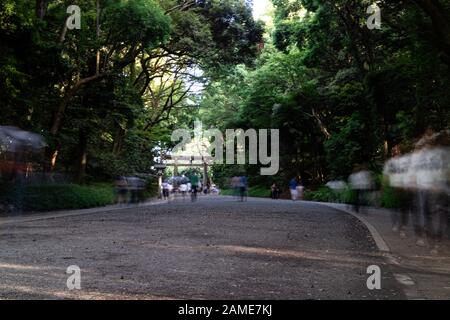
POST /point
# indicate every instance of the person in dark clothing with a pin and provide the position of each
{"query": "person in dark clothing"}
(243, 185)
(274, 191)
(194, 187)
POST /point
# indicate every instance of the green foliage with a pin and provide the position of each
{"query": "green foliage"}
(58, 197)
(349, 147)
(340, 94)
(227, 192)
(138, 21)
(325, 194)
(255, 191)
(393, 198)
(151, 189)
(110, 122)
(259, 192)
(322, 195)
(390, 198)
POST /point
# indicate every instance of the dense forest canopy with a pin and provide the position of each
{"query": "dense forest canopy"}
(105, 95)
(342, 94)
(108, 95)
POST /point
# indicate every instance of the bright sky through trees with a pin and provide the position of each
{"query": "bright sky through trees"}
(260, 8)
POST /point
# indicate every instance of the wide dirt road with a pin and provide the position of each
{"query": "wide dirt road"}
(214, 249)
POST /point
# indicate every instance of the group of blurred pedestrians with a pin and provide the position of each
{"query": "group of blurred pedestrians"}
(362, 182)
(421, 184)
(187, 185)
(296, 188)
(128, 189)
(239, 184)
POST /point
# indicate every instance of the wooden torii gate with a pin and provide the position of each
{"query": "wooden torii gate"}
(189, 161)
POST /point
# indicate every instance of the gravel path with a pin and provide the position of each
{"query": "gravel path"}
(214, 249)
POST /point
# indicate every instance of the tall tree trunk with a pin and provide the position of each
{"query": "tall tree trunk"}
(82, 157)
(56, 125)
(41, 8)
(441, 24)
(51, 157)
(97, 65)
(119, 140)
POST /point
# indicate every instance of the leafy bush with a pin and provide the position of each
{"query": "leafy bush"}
(392, 198)
(226, 192)
(257, 191)
(151, 190)
(347, 196)
(325, 194)
(58, 197)
(388, 197)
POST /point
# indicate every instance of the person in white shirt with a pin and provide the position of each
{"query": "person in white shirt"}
(166, 190)
(183, 190)
(431, 168)
(394, 173)
(362, 182)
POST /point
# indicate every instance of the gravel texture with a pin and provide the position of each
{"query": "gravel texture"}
(217, 248)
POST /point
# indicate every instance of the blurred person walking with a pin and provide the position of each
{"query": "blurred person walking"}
(166, 190)
(235, 181)
(300, 189)
(243, 186)
(362, 182)
(121, 190)
(394, 174)
(431, 165)
(183, 190)
(293, 184)
(194, 180)
(134, 184)
(207, 188)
